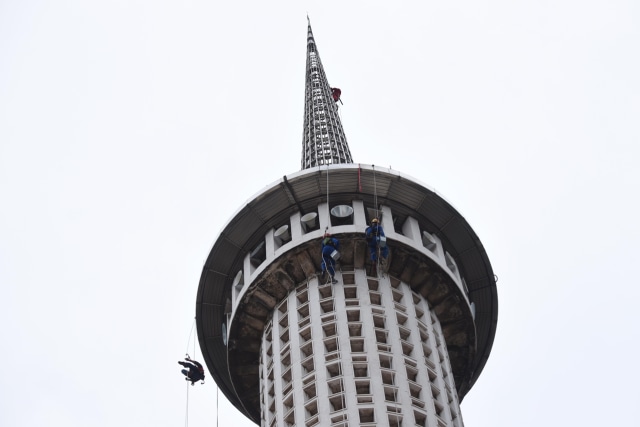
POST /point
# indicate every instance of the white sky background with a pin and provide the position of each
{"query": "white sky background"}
(131, 131)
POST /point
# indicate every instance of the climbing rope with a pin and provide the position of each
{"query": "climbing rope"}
(326, 266)
(375, 191)
(377, 212)
(189, 339)
(186, 415)
(328, 205)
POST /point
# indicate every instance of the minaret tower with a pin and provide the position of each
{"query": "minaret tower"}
(400, 347)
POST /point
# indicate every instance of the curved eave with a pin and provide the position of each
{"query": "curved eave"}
(303, 191)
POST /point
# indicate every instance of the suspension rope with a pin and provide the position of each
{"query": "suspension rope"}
(328, 205)
(325, 261)
(189, 339)
(186, 414)
(375, 191)
(326, 266)
(379, 217)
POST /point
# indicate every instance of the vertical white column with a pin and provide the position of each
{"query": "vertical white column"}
(295, 227)
(270, 246)
(411, 230)
(323, 216)
(322, 388)
(359, 218)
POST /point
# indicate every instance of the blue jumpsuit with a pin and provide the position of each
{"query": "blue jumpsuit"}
(373, 234)
(329, 244)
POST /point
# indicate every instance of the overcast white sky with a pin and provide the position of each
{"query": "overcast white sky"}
(130, 132)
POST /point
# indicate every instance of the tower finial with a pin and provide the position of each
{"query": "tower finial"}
(323, 139)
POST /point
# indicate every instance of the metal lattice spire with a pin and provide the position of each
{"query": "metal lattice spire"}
(323, 140)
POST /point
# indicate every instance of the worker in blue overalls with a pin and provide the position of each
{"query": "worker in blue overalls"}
(374, 235)
(329, 246)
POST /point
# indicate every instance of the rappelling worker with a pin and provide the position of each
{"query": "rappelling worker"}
(330, 246)
(194, 371)
(376, 241)
(335, 93)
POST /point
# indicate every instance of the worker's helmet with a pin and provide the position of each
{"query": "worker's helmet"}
(374, 221)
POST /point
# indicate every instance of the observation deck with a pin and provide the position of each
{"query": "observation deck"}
(270, 247)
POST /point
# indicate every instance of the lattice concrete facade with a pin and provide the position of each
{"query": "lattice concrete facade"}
(367, 352)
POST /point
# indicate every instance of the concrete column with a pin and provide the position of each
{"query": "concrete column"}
(323, 216)
(270, 247)
(386, 221)
(295, 227)
(321, 377)
(411, 230)
(359, 217)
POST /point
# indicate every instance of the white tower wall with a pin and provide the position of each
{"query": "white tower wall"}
(366, 352)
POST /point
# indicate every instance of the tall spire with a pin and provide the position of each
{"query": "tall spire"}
(323, 140)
